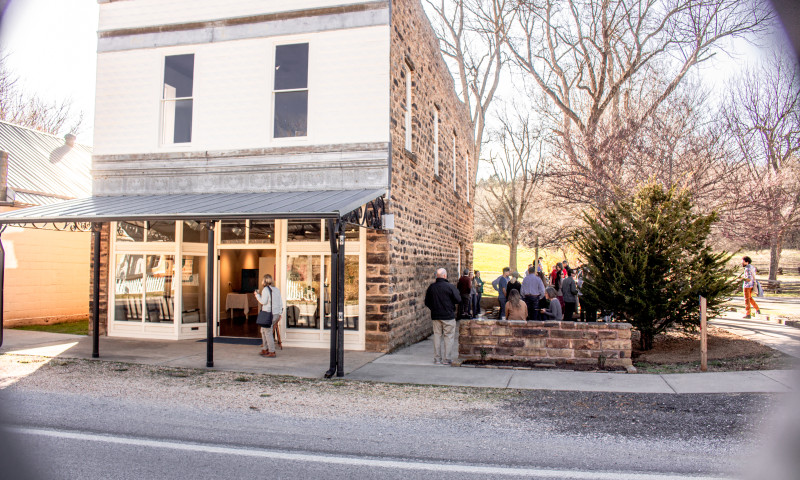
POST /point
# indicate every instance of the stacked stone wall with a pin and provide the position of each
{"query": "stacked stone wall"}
(551, 341)
(433, 221)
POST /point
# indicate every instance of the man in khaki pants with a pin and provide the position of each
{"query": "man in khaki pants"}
(441, 298)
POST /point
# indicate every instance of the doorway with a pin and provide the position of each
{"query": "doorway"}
(240, 274)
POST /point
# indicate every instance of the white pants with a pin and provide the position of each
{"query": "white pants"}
(443, 331)
(267, 340)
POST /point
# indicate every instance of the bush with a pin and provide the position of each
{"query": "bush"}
(648, 260)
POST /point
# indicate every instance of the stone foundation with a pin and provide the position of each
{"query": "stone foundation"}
(546, 341)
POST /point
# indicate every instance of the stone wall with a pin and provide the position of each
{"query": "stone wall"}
(105, 249)
(561, 342)
(433, 221)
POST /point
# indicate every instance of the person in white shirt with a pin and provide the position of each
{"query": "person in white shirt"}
(270, 299)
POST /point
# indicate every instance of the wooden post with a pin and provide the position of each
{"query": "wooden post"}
(703, 336)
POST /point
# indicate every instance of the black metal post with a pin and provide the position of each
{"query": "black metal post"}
(334, 297)
(340, 300)
(210, 298)
(2, 279)
(96, 229)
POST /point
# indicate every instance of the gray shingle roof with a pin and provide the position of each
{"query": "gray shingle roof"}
(42, 169)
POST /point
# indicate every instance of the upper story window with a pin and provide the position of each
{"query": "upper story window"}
(291, 90)
(408, 107)
(176, 100)
(454, 162)
(436, 141)
(466, 168)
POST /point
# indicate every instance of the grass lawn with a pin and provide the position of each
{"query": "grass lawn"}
(77, 327)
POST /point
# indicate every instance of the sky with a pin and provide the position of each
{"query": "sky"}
(52, 47)
(52, 44)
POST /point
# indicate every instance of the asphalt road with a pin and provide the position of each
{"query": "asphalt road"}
(534, 434)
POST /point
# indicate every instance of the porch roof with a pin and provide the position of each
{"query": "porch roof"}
(205, 206)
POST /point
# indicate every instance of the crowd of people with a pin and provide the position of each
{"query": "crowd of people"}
(533, 297)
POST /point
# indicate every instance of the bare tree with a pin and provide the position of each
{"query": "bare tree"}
(606, 66)
(30, 110)
(518, 172)
(763, 117)
(471, 35)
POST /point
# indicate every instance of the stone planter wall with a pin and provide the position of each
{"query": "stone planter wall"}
(546, 341)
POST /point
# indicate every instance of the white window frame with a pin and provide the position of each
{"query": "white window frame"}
(162, 140)
(436, 141)
(408, 104)
(274, 91)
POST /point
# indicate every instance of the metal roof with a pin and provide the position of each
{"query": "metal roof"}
(43, 165)
(209, 206)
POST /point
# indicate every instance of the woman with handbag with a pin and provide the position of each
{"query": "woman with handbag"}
(269, 316)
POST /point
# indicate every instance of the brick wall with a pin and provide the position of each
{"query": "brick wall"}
(105, 245)
(433, 223)
(562, 342)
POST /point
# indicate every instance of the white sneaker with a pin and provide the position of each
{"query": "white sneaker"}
(437, 362)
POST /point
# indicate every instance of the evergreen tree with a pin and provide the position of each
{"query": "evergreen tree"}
(649, 261)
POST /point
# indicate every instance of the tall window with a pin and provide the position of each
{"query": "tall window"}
(466, 168)
(291, 90)
(176, 100)
(436, 141)
(408, 107)
(454, 162)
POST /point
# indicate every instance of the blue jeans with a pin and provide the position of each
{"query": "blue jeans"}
(476, 304)
(502, 306)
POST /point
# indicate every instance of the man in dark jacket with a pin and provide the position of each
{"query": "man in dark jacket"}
(464, 288)
(441, 298)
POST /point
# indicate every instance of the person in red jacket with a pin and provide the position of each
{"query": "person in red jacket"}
(464, 286)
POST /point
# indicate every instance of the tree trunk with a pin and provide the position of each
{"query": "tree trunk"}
(775, 248)
(645, 340)
(512, 254)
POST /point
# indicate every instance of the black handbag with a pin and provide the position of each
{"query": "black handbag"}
(265, 318)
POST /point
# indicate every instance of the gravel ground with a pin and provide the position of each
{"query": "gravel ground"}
(678, 417)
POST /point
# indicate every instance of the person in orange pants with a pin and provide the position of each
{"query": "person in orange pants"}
(748, 285)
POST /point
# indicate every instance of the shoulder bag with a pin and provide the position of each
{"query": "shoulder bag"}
(265, 318)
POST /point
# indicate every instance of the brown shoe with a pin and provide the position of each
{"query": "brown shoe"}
(270, 354)
(263, 352)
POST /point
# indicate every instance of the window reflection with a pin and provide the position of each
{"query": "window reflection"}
(303, 291)
(233, 232)
(304, 230)
(193, 283)
(160, 289)
(128, 288)
(194, 232)
(262, 231)
(351, 307)
(161, 232)
(130, 231)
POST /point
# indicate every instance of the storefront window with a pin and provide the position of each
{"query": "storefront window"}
(304, 230)
(193, 283)
(160, 289)
(128, 288)
(161, 232)
(262, 231)
(303, 291)
(130, 231)
(351, 310)
(194, 232)
(233, 232)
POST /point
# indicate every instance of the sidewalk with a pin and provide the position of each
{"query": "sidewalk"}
(411, 365)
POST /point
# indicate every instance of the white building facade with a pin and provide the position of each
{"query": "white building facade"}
(201, 96)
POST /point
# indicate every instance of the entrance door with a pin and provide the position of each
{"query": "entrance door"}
(240, 274)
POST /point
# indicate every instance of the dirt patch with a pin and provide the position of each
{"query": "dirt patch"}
(678, 351)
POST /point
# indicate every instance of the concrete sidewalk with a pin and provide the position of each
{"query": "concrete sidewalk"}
(411, 365)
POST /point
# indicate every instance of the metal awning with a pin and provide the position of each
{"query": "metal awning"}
(204, 206)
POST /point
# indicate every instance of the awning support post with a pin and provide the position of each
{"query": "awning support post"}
(334, 299)
(2, 275)
(340, 300)
(210, 297)
(96, 230)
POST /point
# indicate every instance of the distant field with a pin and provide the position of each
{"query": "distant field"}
(490, 260)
